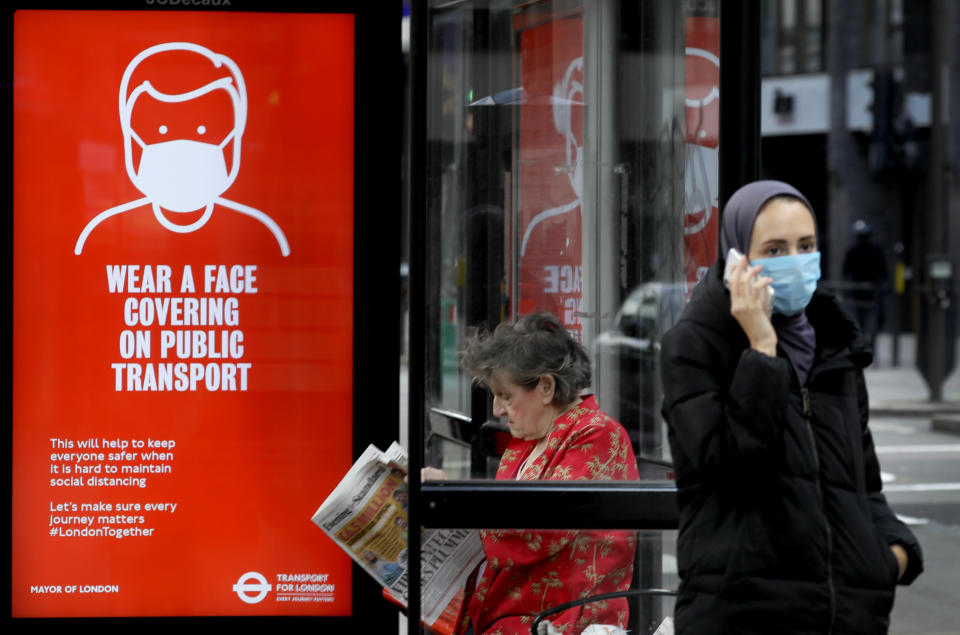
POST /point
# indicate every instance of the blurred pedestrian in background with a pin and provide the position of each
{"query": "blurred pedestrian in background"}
(865, 269)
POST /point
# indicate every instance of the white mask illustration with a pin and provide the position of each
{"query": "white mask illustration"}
(182, 175)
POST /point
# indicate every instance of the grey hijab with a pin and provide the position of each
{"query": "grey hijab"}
(795, 333)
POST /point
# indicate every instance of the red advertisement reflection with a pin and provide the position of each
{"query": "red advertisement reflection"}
(551, 170)
(701, 212)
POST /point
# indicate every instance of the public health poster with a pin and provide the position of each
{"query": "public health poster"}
(183, 249)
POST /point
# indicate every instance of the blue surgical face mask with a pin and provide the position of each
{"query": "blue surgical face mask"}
(794, 280)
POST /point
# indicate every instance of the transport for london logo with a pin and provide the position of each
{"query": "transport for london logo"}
(252, 587)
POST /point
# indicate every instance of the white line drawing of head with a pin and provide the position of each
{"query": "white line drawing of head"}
(562, 101)
(701, 173)
(564, 94)
(183, 175)
(714, 91)
(701, 186)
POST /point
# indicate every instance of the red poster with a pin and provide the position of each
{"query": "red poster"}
(551, 170)
(701, 214)
(183, 252)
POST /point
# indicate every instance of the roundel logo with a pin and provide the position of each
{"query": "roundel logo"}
(252, 587)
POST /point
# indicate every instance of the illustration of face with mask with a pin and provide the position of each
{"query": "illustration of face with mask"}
(182, 175)
(182, 137)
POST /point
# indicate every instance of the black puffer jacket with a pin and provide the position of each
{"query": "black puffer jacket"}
(783, 528)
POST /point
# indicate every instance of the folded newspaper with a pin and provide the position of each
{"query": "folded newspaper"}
(366, 515)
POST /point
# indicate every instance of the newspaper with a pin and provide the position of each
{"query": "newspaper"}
(366, 515)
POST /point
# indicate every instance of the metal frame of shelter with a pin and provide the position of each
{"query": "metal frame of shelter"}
(469, 504)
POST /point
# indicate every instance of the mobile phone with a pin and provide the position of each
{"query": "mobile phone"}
(733, 257)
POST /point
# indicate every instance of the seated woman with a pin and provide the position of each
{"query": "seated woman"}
(536, 372)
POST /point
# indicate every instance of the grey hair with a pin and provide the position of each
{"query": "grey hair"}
(534, 346)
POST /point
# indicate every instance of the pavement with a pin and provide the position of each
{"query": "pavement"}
(901, 391)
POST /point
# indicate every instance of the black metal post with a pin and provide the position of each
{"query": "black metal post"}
(417, 149)
(739, 151)
(935, 359)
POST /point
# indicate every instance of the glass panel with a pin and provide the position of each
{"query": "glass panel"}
(572, 168)
(552, 575)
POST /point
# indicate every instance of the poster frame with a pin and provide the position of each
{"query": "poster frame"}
(378, 123)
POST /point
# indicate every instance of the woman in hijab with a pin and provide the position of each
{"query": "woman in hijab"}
(783, 526)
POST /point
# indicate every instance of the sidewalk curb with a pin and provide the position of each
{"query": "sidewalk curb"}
(946, 423)
(944, 415)
(914, 408)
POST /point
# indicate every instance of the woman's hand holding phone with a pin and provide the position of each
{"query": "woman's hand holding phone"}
(750, 302)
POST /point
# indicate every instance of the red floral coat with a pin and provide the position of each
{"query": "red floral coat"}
(529, 571)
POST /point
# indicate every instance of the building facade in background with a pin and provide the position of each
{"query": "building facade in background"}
(858, 110)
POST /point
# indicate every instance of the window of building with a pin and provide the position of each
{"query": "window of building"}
(792, 37)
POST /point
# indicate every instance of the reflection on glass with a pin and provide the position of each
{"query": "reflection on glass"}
(572, 168)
